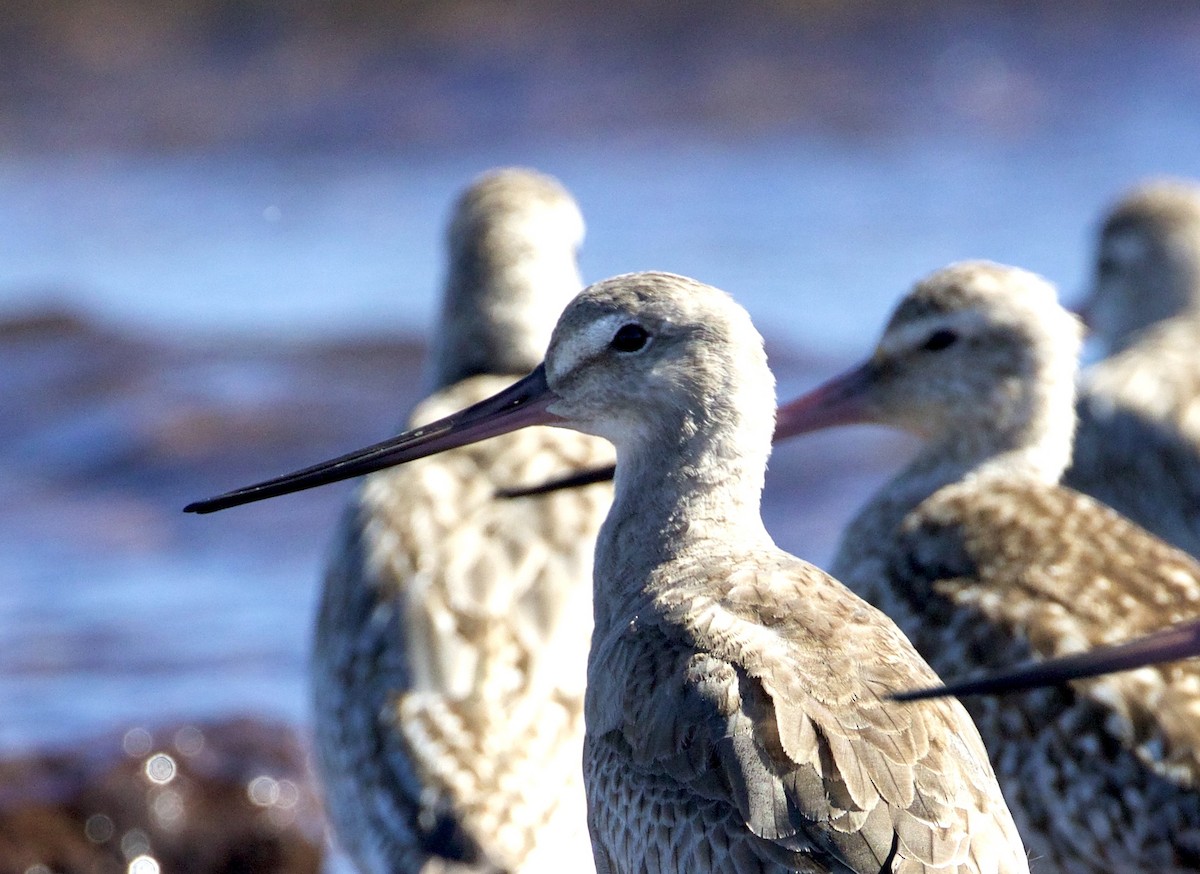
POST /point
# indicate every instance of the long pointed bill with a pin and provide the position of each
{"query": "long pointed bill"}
(1180, 642)
(570, 481)
(518, 406)
(838, 402)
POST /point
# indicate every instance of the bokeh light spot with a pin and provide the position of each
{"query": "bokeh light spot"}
(289, 795)
(189, 740)
(263, 791)
(167, 807)
(135, 843)
(143, 865)
(137, 742)
(160, 768)
(98, 828)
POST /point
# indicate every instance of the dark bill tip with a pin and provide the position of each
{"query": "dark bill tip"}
(1179, 642)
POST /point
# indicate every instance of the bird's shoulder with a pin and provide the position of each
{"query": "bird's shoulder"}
(769, 690)
(1024, 545)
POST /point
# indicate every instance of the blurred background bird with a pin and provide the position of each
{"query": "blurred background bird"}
(981, 558)
(453, 628)
(1137, 448)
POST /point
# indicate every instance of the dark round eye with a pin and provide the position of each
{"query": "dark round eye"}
(939, 340)
(1107, 266)
(629, 338)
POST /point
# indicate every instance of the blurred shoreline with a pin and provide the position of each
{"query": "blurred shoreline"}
(213, 75)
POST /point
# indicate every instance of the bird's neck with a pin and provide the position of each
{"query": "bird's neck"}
(498, 314)
(1033, 445)
(697, 499)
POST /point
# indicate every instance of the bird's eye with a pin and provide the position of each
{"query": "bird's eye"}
(1108, 265)
(939, 340)
(629, 338)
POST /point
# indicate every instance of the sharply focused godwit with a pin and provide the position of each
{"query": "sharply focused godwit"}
(983, 559)
(452, 633)
(735, 708)
(1138, 443)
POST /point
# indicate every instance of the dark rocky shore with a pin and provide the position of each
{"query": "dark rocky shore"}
(196, 798)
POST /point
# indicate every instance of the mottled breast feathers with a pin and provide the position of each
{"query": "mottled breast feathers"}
(1099, 579)
(484, 607)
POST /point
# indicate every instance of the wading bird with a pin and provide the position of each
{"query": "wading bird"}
(452, 633)
(1137, 447)
(736, 700)
(983, 559)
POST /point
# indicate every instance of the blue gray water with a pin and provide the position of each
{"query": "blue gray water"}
(816, 237)
(817, 231)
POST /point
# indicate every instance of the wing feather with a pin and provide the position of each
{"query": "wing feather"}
(1103, 581)
(789, 705)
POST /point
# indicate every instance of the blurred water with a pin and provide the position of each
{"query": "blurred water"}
(817, 238)
(816, 231)
(86, 645)
(797, 228)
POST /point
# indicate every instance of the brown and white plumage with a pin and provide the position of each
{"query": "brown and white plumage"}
(452, 634)
(982, 559)
(1138, 442)
(749, 732)
(735, 714)
(736, 702)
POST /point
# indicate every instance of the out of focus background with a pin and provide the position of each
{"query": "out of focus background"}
(221, 247)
